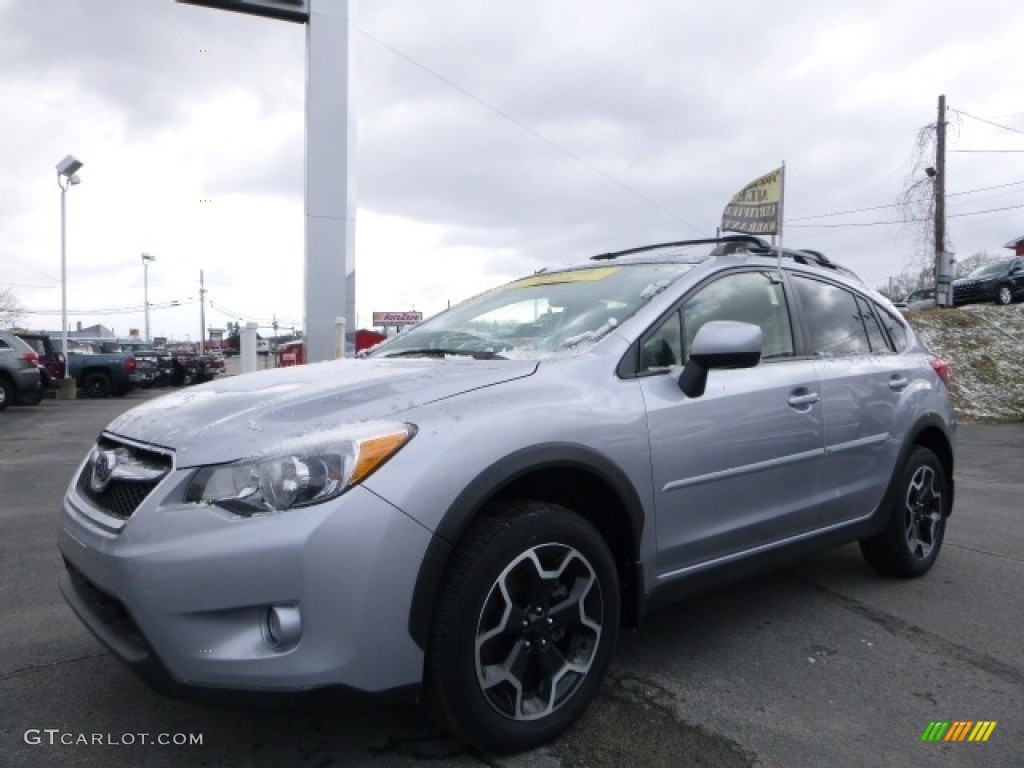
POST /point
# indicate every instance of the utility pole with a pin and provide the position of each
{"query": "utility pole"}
(943, 280)
(202, 314)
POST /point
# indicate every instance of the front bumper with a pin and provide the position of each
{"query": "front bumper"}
(181, 592)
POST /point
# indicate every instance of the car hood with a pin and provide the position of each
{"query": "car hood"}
(244, 415)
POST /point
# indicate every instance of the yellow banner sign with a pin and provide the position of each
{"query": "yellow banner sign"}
(755, 209)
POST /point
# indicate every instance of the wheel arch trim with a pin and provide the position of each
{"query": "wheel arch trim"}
(489, 484)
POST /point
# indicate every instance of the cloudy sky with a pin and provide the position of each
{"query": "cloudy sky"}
(493, 138)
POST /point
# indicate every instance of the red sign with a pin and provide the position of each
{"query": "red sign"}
(397, 318)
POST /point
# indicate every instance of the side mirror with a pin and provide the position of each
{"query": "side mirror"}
(719, 344)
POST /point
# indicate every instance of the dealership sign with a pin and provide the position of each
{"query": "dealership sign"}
(397, 318)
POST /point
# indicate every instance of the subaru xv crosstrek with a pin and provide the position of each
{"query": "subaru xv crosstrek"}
(476, 508)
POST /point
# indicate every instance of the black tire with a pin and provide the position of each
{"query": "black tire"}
(530, 601)
(910, 542)
(96, 384)
(35, 397)
(6, 393)
(1004, 295)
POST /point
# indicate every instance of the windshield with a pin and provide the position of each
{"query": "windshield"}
(987, 270)
(546, 313)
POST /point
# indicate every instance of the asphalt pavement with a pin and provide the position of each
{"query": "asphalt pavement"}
(824, 663)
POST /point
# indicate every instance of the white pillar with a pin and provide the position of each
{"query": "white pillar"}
(248, 344)
(330, 176)
(339, 337)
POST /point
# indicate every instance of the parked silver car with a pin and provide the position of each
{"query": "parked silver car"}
(480, 504)
(20, 377)
(923, 298)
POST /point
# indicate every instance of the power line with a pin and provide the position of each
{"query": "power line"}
(897, 205)
(903, 221)
(991, 151)
(536, 134)
(987, 122)
(104, 311)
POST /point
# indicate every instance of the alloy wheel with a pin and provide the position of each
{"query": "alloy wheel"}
(923, 514)
(538, 632)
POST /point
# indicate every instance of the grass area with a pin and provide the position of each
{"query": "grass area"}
(984, 345)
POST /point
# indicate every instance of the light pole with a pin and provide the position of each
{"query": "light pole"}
(146, 258)
(67, 176)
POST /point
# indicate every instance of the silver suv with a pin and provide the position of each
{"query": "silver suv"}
(20, 380)
(478, 506)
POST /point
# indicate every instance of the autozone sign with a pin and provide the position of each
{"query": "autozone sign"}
(397, 318)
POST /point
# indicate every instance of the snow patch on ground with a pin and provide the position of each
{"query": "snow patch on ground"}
(984, 345)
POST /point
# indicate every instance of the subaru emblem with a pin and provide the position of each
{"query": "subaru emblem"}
(102, 464)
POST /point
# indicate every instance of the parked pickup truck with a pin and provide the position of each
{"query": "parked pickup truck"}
(101, 374)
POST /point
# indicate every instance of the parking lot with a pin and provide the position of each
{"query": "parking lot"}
(824, 663)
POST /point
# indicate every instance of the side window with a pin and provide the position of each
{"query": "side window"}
(664, 347)
(875, 336)
(746, 297)
(834, 319)
(895, 329)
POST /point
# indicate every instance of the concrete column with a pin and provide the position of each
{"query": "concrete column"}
(330, 176)
(248, 343)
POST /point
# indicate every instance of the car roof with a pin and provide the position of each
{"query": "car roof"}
(695, 252)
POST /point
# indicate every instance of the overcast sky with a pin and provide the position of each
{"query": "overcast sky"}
(493, 138)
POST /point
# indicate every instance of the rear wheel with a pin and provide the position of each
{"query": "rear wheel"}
(525, 627)
(35, 397)
(96, 385)
(910, 543)
(1004, 296)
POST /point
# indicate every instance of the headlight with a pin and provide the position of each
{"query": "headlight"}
(301, 473)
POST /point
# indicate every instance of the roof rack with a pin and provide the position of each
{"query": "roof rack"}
(733, 244)
(757, 242)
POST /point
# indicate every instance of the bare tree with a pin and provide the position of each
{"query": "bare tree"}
(10, 309)
(918, 199)
(963, 266)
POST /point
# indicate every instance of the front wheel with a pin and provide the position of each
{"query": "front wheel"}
(1004, 295)
(525, 627)
(910, 542)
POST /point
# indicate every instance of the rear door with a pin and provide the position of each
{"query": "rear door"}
(863, 383)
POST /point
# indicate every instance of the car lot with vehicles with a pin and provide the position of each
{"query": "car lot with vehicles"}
(600, 460)
(1001, 282)
(825, 662)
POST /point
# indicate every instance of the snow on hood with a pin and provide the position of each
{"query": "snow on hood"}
(240, 416)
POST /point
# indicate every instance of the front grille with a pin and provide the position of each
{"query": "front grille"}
(972, 291)
(137, 472)
(120, 498)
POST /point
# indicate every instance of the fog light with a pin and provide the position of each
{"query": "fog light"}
(283, 626)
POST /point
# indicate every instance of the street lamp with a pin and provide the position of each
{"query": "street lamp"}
(146, 258)
(67, 176)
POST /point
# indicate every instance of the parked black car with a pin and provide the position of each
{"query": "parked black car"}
(184, 366)
(998, 281)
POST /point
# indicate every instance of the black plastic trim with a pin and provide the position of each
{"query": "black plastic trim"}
(489, 484)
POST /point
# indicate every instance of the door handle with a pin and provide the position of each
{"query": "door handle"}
(803, 397)
(898, 383)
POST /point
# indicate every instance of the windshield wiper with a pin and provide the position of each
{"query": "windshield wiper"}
(477, 354)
